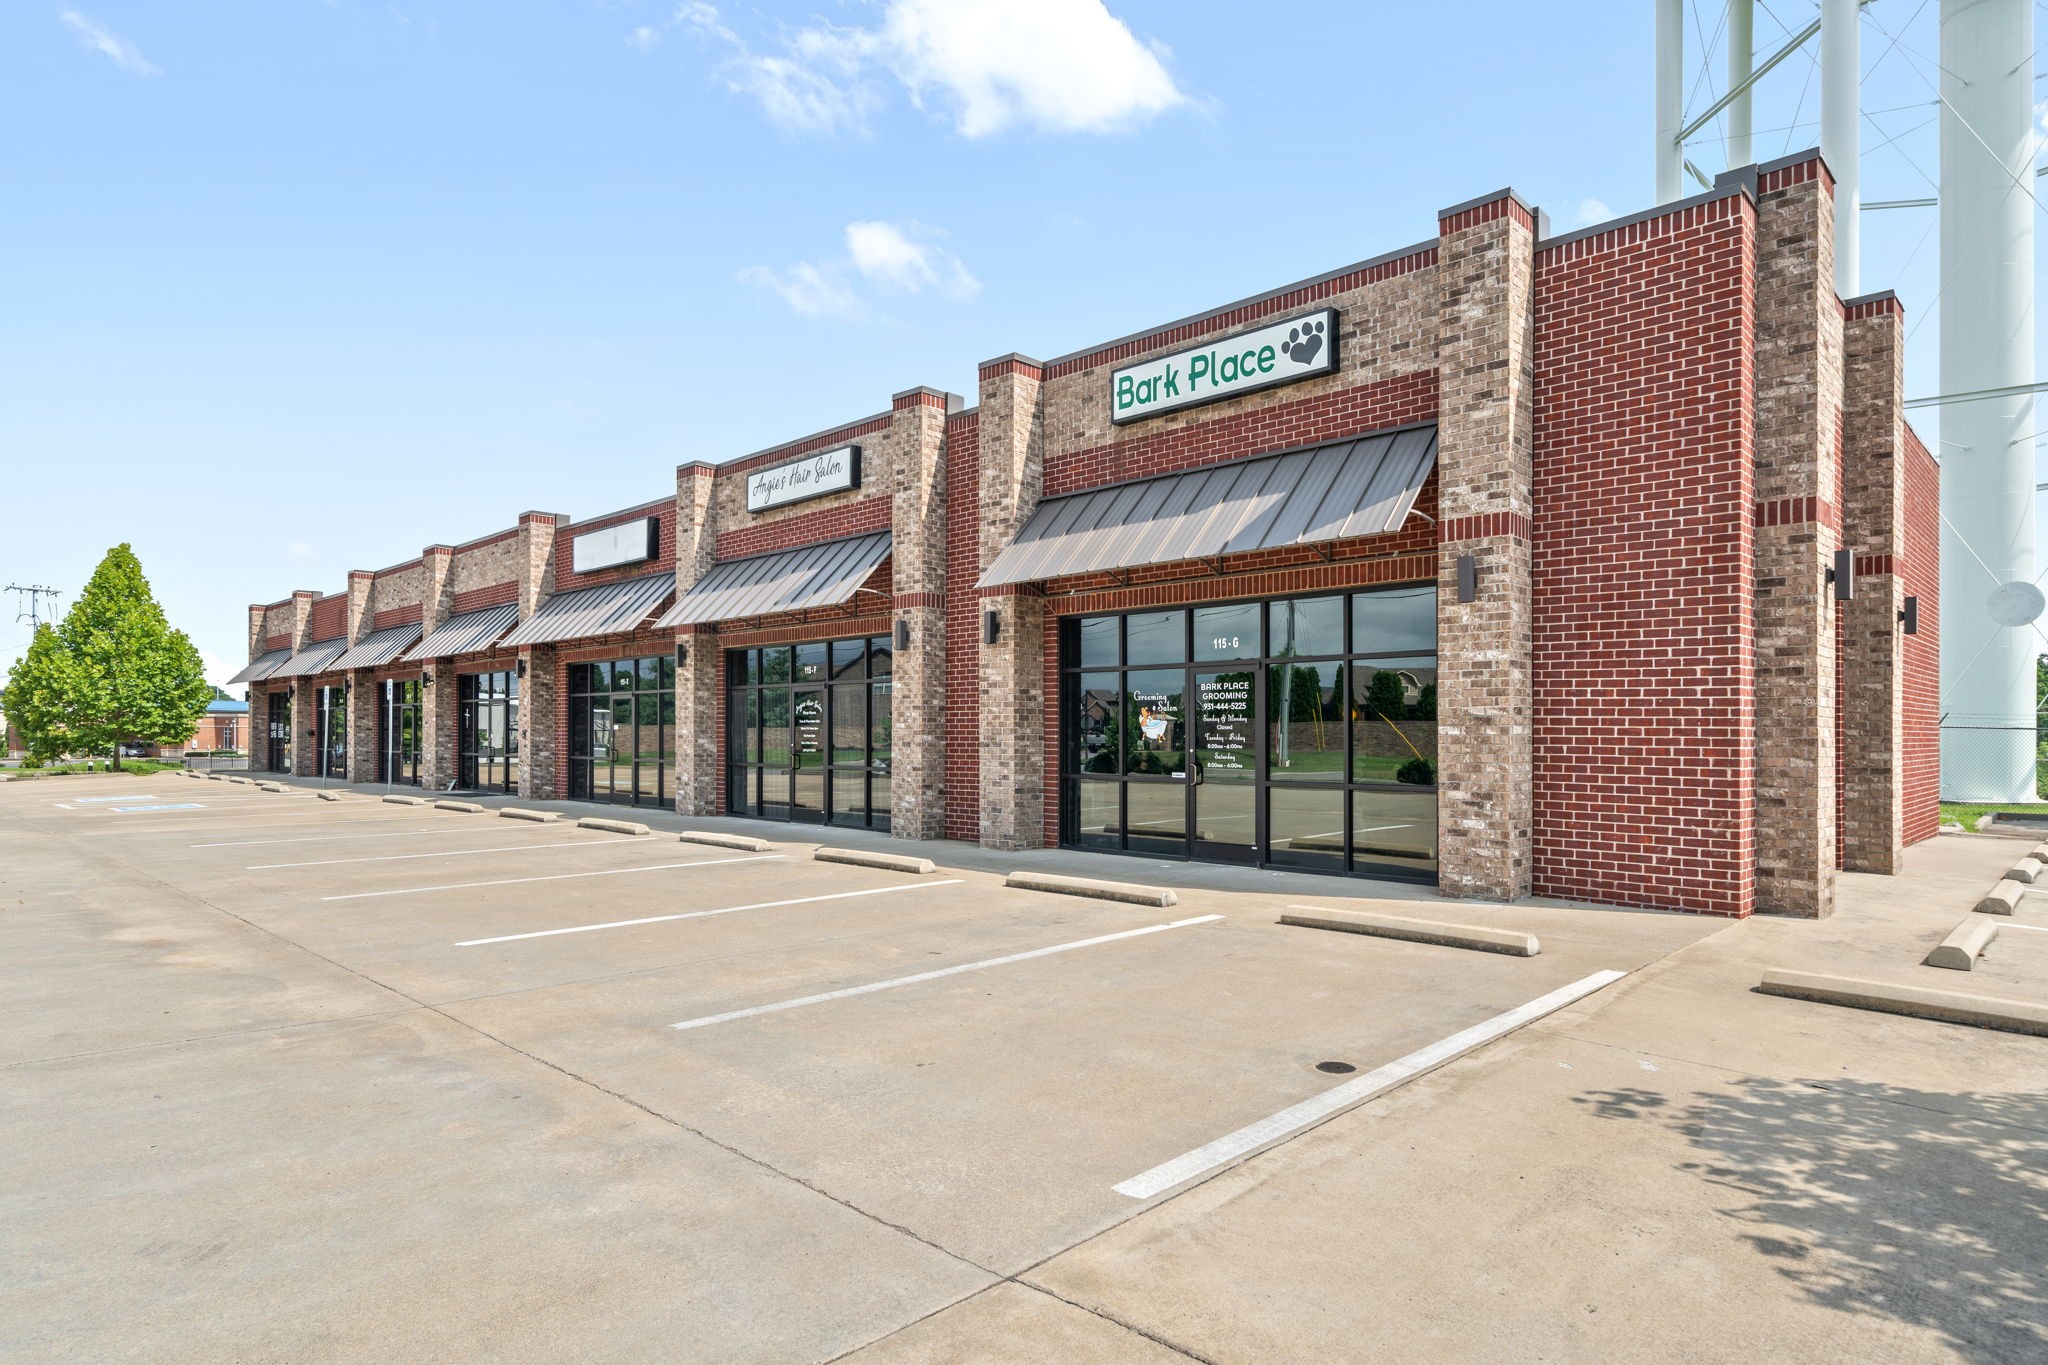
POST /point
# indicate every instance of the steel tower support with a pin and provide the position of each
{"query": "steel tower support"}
(1741, 56)
(1841, 76)
(1987, 342)
(1670, 99)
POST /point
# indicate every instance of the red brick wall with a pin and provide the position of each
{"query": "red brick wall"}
(271, 642)
(330, 618)
(1922, 738)
(963, 638)
(1643, 553)
(567, 579)
(477, 599)
(1395, 402)
(811, 528)
(395, 616)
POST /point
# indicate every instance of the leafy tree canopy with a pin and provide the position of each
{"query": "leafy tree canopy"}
(111, 671)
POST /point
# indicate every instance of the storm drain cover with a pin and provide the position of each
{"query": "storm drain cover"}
(1336, 1068)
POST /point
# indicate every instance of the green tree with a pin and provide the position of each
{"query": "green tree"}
(126, 675)
(33, 700)
(1387, 697)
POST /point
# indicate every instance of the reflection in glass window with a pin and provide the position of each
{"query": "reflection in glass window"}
(1155, 723)
(1394, 621)
(1157, 637)
(1308, 626)
(1098, 641)
(1393, 721)
(1099, 722)
(1305, 721)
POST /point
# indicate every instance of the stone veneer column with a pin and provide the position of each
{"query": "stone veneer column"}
(257, 694)
(917, 526)
(1874, 522)
(698, 675)
(1012, 670)
(1798, 412)
(362, 692)
(1485, 648)
(438, 697)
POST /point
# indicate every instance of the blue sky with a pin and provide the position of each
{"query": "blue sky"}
(297, 287)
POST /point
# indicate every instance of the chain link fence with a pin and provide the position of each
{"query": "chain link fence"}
(1993, 759)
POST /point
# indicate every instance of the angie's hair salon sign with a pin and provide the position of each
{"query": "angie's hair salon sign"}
(828, 471)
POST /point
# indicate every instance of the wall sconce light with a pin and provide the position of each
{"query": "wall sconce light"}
(682, 655)
(522, 665)
(903, 635)
(1843, 575)
(426, 677)
(1910, 616)
(1468, 578)
(991, 626)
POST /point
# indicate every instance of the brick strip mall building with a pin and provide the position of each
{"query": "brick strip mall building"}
(1504, 561)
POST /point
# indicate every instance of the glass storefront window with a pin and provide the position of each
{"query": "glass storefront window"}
(1230, 632)
(1295, 733)
(621, 730)
(1307, 627)
(1156, 637)
(811, 731)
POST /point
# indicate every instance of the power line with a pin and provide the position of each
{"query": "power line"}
(31, 612)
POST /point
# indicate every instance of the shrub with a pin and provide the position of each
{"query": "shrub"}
(1418, 772)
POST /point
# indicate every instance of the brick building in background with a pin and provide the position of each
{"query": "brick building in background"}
(1522, 564)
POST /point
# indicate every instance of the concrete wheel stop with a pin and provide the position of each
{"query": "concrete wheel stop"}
(740, 841)
(539, 817)
(406, 800)
(2027, 870)
(1379, 924)
(892, 862)
(2001, 899)
(465, 807)
(1920, 1002)
(1130, 892)
(610, 826)
(1964, 945)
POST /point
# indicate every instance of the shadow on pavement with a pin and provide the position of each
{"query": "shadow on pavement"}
(1929, 1208)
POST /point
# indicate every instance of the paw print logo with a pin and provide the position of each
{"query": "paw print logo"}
(1305, 342)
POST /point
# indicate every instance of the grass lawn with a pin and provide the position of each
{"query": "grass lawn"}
(1967, 815)
(130, 767)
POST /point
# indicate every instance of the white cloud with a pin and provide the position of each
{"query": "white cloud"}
(99, 38)
(903, 256)
(814, 291)
(1066, 66)
(1591, 211)
(217, 669)
(644, 38)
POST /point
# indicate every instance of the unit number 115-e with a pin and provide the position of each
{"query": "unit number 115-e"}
(1223, 642)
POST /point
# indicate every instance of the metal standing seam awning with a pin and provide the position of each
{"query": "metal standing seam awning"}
(787, 580)
(470, 632)
(614, 609)
(318, 657)
(379, 647)
(1358, 487)
(261, 667)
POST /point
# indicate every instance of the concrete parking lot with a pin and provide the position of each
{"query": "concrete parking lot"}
(288, 1078)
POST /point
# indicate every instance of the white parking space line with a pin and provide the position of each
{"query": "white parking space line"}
(703, 914)
(231, 821)
(554, 877)
(851, 991)
(1332, 1102)
(440, 827)
(442, 853)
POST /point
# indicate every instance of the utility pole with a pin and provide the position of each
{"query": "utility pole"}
(31, 612)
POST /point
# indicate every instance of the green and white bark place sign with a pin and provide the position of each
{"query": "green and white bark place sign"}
(1276, 353)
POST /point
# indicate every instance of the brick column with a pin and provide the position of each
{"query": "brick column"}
(1874, 526)
(1485, 697)
(538, 704)
(537, 559)
(257, 695)
(362, 693)
(699, 674)
(438, 700)
(1014, 780)
(918, 579)
(302, 758)
(1798, 491)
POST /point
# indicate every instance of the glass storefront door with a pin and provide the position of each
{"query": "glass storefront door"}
(622, 716)
(1296, 733)
(809, 730)
(400, 757)
(333, 736)
(487, 731)
(278, 732)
